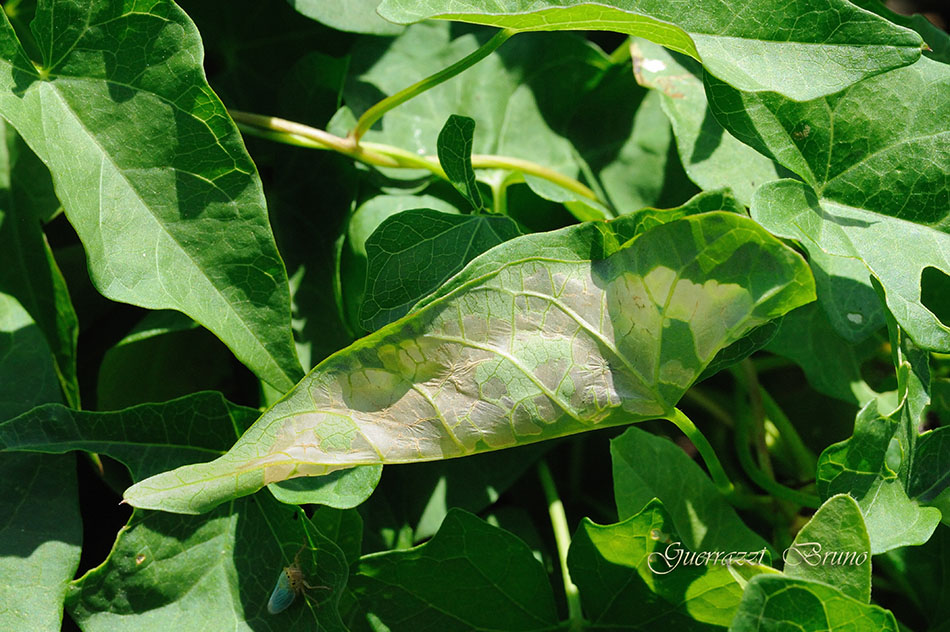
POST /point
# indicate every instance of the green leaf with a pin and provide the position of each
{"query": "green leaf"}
(414, 252)
(356, 16)
(877, 464)
(637, 572)
(148, 438)
(711, 156)
(455, 156)
(416, 497)
(875, 158)
(864, 467)
(936, 39)
(622, 135)
(28, 270)
(151, 170)
(342, 490)
(40, 539)
(215, 572)
(925, 573)
(362, 223)
(536, 99)
(166, 355)
(930, 475)
(27, 370)
(834, 46)
(646, 466)
(469, 558)
(837, 528)
(486, 366)
(344, 527)
(832, 366)
(779, 603)
(40, 526)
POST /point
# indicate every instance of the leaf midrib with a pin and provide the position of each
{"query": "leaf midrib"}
(106, 157)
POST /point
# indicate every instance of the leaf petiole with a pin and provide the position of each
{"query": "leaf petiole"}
(719, 477)
(562, 537)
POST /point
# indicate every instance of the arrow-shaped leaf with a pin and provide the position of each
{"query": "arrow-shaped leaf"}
(455, 155)
(530, 349)
(151, 171)
(874, 160)
(835, 45)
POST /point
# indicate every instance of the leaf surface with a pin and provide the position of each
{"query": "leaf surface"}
(634, 573)
(832, 366)
(357, 16)
(455, 155)
(40, 526)
(151, 170)
(469, 557)
(774, 602)
(646, 466)
(413, 253)
(169, 571)
(40, 539)
(531, 349)
(361, 224)
(28, 270)
(148, 438)
(165, 356)
(874, 160)
(837, 528)
(214, 572)
(712, 157)
(876, 464)
(835, 45)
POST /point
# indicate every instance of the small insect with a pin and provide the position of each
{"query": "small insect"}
(290, 583)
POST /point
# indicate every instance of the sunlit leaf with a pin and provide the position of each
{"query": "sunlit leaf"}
(151, 170)
(533, 348)
(777, 603)
(835, 45)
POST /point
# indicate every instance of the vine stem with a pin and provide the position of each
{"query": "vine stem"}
(376, 112)
(719, 477)
(761, 478)
(381, 155)
(758, 417)
(562, 537)
(805, 459)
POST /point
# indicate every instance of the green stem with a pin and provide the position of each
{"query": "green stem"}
(688, 428)
(757, 476)
(621, 53)
(482, 161)
(562, 537)
(294, 133)
(380, 155)
(805, 459)
(376, 112)
(758, 417)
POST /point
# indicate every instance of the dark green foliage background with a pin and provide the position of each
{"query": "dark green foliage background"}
(167, 276)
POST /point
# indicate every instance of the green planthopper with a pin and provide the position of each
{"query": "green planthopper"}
(290, 583)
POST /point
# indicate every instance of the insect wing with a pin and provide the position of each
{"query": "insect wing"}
(283, 594)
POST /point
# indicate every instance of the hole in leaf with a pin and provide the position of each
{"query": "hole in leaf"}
(935, 293)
